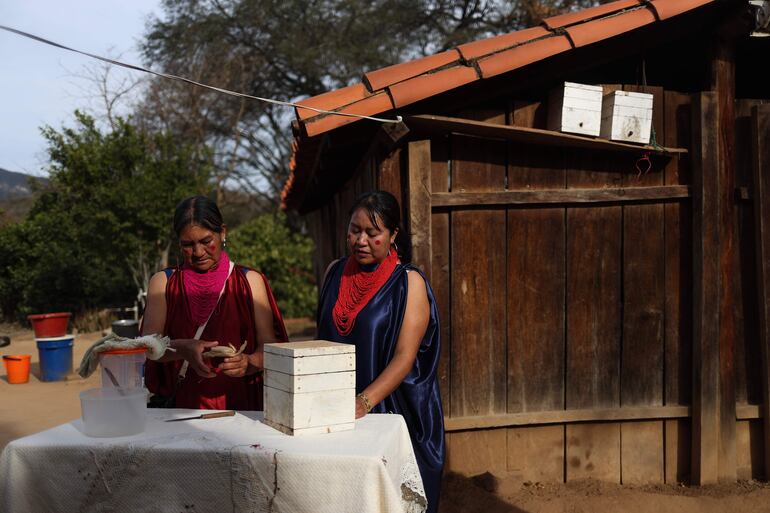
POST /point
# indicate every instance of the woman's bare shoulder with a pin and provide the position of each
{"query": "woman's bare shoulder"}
(158, 281)
(416, 282)
(257, 284)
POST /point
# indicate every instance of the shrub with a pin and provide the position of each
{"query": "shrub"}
(268, 245)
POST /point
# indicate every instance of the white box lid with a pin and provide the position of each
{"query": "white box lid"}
(631, 99)
(309, 348)
(587, 87)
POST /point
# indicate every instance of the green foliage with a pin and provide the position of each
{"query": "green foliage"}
(12, 267)
(269, 246)
(102, 225)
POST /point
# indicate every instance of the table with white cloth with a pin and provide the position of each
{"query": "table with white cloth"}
(217, 465)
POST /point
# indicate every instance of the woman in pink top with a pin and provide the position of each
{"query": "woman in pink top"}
(228, 304)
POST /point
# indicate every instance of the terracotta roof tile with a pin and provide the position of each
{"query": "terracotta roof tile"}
(571, 18)
(668, 8)
(522, 55)
(370, 106)
(332, 100)
(417, 80)
(484, 47)
(598, 30)
(381, 78)
(425, 86)
(303, 159)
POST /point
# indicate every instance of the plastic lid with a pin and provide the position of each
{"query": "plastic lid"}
(55, 339)
(133, 350)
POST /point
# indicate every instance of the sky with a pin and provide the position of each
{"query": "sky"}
(42, 85)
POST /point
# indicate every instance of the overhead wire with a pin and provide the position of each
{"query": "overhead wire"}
(168, 76)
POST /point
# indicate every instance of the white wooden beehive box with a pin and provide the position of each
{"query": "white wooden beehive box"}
(310, 387)
(575, 108)
(627, 116)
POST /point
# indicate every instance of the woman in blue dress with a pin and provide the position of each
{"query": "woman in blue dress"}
(378, 301)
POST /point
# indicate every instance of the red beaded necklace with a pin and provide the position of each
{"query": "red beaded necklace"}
(357, 288)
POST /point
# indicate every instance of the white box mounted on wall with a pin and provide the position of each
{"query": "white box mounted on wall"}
(310, 387)
(575, 108)
(627, 116)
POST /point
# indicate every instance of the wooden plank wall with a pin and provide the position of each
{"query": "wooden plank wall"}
(564, 307)
(477, 245)
(747, 363)
(594, 320)
(536, 295)
(328, 224)
(587, 308)
(752, 166)
(678, 290)
(643, 318)
(440, 259)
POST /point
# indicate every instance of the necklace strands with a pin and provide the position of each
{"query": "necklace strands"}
(357, 288)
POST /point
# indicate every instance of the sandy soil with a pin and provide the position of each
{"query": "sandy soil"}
(490, 494)
(37, 405)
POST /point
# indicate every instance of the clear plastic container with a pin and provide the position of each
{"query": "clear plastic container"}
(126, 366)
(109, 412)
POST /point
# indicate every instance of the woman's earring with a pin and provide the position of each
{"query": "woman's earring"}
(394, 245)
(224, 243)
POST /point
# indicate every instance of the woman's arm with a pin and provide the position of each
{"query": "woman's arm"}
(154, 321)
(263, 317)
(416, 318)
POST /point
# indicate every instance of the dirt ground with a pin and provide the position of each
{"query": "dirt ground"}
(488, 494)
(37, 405)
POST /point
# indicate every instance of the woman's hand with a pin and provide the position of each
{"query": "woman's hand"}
(360, 407)
(235, 366)
(363, 405)
(191, 350)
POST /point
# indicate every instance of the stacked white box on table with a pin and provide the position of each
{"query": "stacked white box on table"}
(310, 387)
(627, 116)
(575, 108)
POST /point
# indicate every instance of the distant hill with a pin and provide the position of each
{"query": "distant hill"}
(14, 185)
(15, 195)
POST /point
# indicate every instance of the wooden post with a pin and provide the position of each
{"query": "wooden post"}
(723, 84)
(678, 323)
(419, 199)
(705, 213)
(760, 132)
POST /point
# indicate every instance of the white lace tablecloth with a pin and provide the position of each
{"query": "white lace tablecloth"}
(220, 465)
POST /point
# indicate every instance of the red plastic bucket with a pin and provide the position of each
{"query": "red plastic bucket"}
(50, 324)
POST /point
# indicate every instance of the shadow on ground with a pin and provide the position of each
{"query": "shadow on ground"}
(460, 494)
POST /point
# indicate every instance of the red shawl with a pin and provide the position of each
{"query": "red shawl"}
(231, 323)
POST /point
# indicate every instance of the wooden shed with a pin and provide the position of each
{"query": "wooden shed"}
(599, 318)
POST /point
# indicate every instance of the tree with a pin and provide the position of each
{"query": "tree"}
(102, 224)
(288, 50)
(12, 268)
(266, 244)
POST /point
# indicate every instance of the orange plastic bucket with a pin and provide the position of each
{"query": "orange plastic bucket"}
(17, 367)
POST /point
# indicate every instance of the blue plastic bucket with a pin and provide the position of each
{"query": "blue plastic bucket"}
(55, 357)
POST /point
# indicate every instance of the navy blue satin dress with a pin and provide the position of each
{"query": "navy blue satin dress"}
(375, 334)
